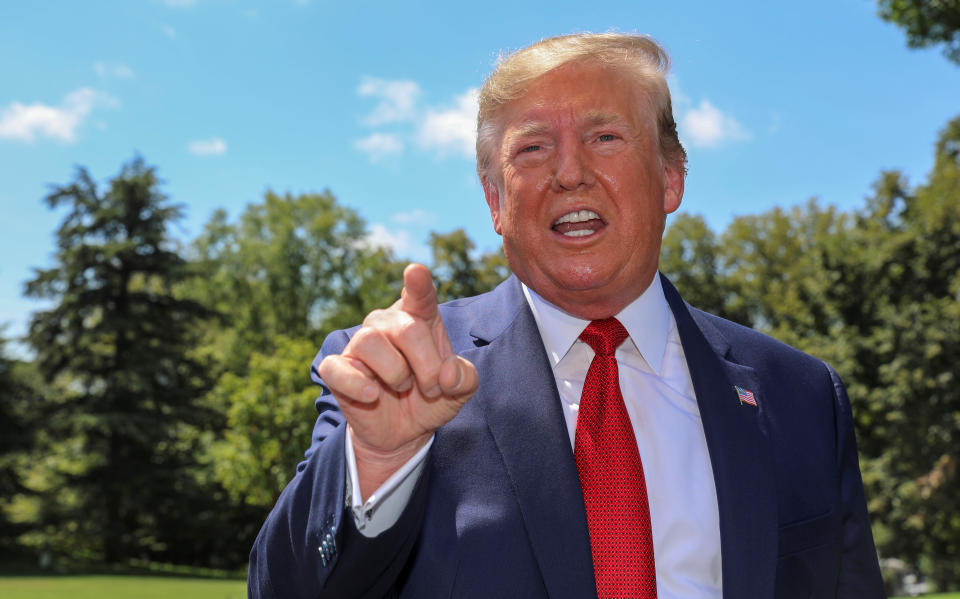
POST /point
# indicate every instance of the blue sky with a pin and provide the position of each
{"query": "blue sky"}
(228, 98)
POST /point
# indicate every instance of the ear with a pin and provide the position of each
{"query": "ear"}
(492, 194)
(673, 176)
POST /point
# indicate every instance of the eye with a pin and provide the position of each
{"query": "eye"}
(532, 148)
(607, 137)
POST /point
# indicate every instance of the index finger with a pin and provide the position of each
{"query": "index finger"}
(418, 298)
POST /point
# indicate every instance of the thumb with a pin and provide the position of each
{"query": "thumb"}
(419, 298)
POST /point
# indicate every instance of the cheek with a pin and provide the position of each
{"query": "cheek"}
(541, 180)
(609, 181)
(527, 182)
(630, 180)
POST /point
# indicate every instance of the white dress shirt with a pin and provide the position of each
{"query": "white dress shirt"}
(658, 392)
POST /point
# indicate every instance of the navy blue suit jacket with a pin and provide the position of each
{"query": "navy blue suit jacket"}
(498, 511)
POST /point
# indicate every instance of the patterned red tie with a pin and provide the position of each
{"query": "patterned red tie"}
(611, 475)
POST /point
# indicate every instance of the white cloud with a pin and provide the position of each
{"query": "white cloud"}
(169, 31)
(452, 130)
(705, 126)
(380, 236)
(397, 99)
(417, 216)
(379, 145)
(179, 3)
(26, 122)
(117, 70)
(207, 147)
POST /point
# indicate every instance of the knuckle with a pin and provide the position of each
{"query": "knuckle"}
(327, 368)
(366, 338)
(409, 327)
(395, 373)
(374, 317)
(429, 372)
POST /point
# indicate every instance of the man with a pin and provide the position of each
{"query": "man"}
(579, 431)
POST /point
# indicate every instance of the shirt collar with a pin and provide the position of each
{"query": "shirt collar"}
(647, 320)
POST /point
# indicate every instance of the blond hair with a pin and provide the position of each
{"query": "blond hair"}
(637, 55)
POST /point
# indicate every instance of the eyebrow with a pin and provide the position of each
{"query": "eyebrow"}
(599, 118)
(594, 118)
(530, 129)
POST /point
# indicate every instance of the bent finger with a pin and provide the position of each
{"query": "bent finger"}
(378, 352)
(349, 378)
(459, 378)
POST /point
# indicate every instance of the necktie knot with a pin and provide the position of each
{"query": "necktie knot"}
(604, 336)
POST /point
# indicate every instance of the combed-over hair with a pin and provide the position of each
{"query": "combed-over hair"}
(639, 56)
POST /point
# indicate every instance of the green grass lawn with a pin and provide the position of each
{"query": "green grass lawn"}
(147, 587)
(119, 587)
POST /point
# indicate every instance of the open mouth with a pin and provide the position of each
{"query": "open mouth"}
(578, 223)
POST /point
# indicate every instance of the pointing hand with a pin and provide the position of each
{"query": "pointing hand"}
(398, 380)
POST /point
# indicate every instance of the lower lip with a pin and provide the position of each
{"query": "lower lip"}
(584, 235)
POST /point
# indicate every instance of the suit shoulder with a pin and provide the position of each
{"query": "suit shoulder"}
(749, 346)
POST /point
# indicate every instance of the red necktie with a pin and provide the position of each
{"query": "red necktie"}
(611, 475)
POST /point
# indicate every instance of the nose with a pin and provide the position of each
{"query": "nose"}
(572, 168)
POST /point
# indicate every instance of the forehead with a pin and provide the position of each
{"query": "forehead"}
(580, 94)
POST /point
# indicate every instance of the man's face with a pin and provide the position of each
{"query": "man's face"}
(584, 193)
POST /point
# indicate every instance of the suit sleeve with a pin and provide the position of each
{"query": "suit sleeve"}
(309, 546)
(860, 576)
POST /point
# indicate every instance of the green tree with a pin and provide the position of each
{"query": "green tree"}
(115, 346)
(926, 22)
(457, 272)
(292, 265)
(18, 417)
(270, 416)
(913, 352)
(291, 269)
(693, 259)
(779, 273)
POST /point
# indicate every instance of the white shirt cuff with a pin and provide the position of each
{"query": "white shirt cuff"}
(384, 506)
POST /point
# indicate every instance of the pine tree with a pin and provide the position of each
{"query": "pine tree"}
(116, 342)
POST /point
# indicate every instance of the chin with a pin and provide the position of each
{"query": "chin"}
(581, 278)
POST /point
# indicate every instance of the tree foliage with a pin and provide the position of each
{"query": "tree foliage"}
(457, 272)
(292, 265)
(288, 271)
(914, 401)
(114, 346)
(18, 422)
(926, 22)
(270, 417)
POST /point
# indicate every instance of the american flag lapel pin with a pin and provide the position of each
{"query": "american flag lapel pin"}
(746, 396)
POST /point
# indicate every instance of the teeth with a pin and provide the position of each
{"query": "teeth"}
(577, 217)
(578, 233)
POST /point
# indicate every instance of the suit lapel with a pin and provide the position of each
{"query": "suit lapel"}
(740, 455)
(523, 411)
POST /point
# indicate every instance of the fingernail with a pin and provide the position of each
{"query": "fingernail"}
(369, 392)
(456, 385)
(433, 391)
